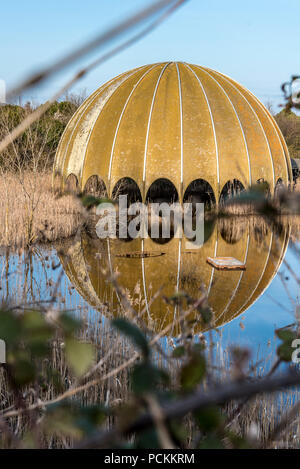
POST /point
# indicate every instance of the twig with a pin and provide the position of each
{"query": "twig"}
(160, 422)
(283, 425)
(197, 401)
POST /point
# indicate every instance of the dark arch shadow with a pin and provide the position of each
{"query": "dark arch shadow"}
(230, 190)
(162, 190)
(200, 191)
(95, 186)
(127, 186)
(71, 184)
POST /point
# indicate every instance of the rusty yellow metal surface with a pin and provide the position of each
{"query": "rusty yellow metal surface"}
(176, 121)
(131, 135)
(90, 262)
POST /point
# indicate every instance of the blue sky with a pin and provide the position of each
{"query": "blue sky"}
(255, 42)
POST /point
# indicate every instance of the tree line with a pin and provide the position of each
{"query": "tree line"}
(35, 149)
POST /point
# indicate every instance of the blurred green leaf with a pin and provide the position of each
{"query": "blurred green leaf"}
(23, 372)
(193, 372)
(285, 349)
(10, 327)
(178, 352)
(36, 333)
(79, 356)
(285, 352)
(208, 419)
(148, 440)
(206, 315)
(73, 420)
(89, 201)
(286, 335)
(68, 323)
(145, 378)
(211, 442)
(134, 333)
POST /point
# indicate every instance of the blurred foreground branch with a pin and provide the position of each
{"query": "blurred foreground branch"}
(197, 401)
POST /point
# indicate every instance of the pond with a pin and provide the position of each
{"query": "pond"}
(247, 305)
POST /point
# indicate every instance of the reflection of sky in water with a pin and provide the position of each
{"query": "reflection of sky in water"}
(266, 314)
(259, 321)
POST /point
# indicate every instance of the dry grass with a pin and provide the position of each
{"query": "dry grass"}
(30, 212)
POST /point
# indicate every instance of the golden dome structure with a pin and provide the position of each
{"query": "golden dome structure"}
(229, 293)
(175, 122)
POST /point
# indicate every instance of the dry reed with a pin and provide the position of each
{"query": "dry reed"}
(30, 212)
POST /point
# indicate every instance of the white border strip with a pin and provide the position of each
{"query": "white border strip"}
(181, 123)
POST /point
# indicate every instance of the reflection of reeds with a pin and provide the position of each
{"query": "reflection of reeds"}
(294, 222)
(232, 229)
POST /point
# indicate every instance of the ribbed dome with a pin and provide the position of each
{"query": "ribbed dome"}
(229, 293)
(175, 121)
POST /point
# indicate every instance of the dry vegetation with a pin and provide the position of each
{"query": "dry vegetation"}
(289, 124)
(31, 213)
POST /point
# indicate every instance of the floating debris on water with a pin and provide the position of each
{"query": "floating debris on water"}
(226, 263)
(140, 255)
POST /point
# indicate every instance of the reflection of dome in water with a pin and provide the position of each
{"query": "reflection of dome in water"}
(229, 293)
(173, 121)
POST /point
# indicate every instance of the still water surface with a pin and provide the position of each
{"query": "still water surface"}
(248, 305)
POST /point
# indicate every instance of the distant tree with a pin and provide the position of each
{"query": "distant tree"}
(289, 124)
(36, 147)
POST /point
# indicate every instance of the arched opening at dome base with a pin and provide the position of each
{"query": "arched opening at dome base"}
(161, 218)
(162, 191)
(200, 191)
(95, 187)
(230, 190)
(71, 184)
(128, 187)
